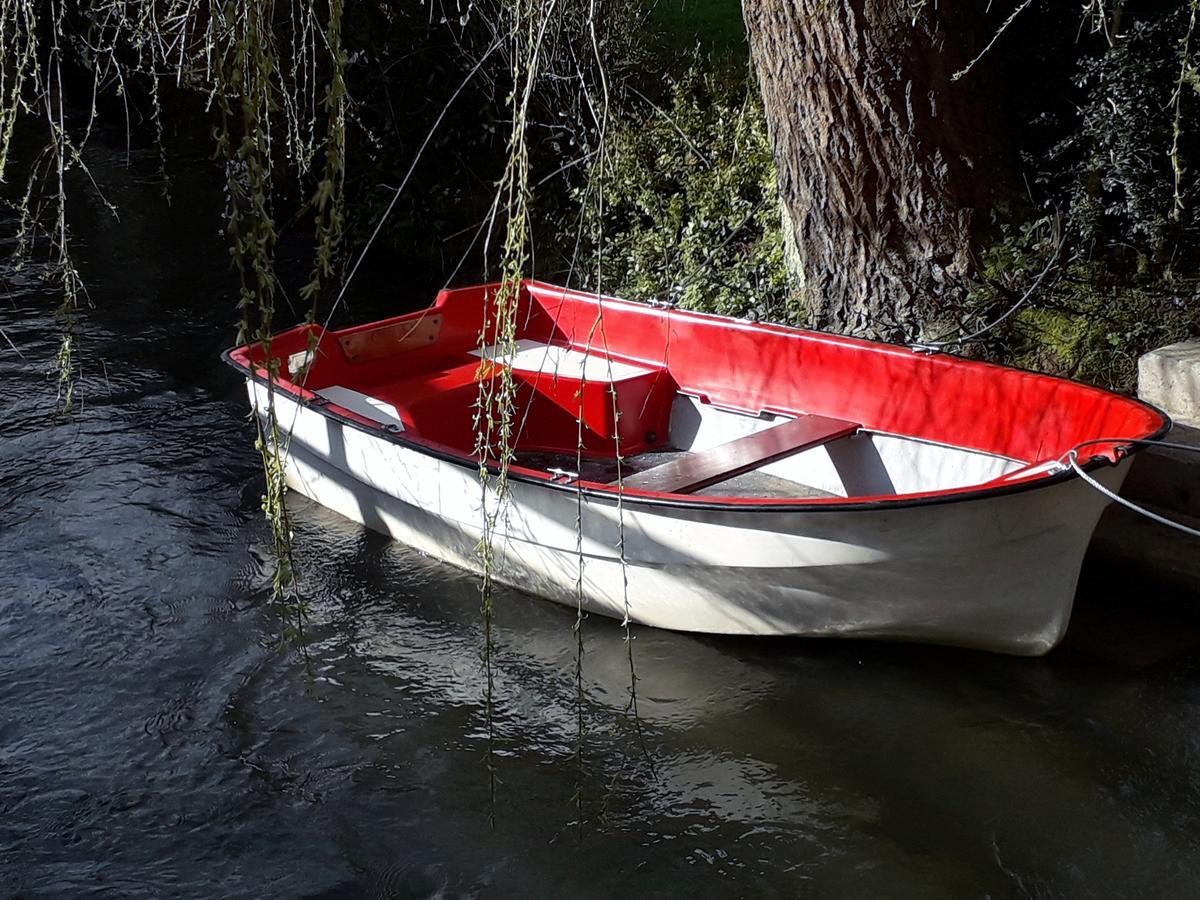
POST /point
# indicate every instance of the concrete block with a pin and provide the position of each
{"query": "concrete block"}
(1169, 377)
(1164, 480)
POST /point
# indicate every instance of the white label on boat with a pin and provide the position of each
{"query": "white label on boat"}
(298, 363)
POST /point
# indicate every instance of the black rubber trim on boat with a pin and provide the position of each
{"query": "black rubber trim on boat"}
(701, 503)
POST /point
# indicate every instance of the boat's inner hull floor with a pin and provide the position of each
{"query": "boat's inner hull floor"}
(860, 464)
(755, 483)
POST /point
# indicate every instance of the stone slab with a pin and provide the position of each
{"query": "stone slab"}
(1169, 377)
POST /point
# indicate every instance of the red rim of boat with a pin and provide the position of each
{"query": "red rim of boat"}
(613, 493)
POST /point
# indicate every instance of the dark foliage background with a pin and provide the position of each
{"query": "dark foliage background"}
(1094, 154)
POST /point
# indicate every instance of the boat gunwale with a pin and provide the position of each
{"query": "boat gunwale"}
(616, 493)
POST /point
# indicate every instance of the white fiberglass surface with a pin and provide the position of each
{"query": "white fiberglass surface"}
(532, 356)
(864, 464)
(364, 404)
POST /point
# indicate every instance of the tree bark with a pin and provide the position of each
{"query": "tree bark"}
(875, 151)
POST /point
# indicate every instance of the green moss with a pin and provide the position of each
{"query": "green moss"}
(1089, 322)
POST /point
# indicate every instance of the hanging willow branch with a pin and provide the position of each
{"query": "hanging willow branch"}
(557, 70)
(266, 66)
(525, 21)
(1189, 77)
(273, 73)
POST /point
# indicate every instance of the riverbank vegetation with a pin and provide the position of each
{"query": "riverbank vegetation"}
(671, 191)
(1095, 120)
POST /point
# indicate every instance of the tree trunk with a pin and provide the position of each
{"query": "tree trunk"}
(873, 147)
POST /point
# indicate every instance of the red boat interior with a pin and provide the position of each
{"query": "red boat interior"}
(692, 401)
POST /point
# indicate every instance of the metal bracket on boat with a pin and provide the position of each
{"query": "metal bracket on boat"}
(391, 427)
(926, 349)
(563, 474)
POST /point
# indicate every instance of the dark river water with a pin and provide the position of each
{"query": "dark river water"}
(155, 740)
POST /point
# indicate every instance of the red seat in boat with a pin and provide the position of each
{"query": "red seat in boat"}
(557, 390)
(566, 395)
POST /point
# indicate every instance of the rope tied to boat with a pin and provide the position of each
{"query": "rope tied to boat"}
(1071, 458)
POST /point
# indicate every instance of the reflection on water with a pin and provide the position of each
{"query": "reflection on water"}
(154, 740)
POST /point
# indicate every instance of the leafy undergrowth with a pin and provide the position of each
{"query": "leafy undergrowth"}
(690, 214)
(1089, 320)
(688, 208)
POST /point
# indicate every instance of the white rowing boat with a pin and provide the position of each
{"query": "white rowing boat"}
(773, 481)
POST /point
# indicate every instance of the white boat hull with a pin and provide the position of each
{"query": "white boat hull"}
(996, 573)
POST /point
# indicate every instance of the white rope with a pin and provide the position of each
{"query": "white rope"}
(1072, 458)
(382, 219)
(404, 183)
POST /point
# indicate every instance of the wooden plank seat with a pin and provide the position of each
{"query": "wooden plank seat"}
(696, 471)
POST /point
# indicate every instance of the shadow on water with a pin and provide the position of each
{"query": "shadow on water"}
(154, 741)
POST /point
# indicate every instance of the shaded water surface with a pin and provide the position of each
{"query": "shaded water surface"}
(155, 741)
